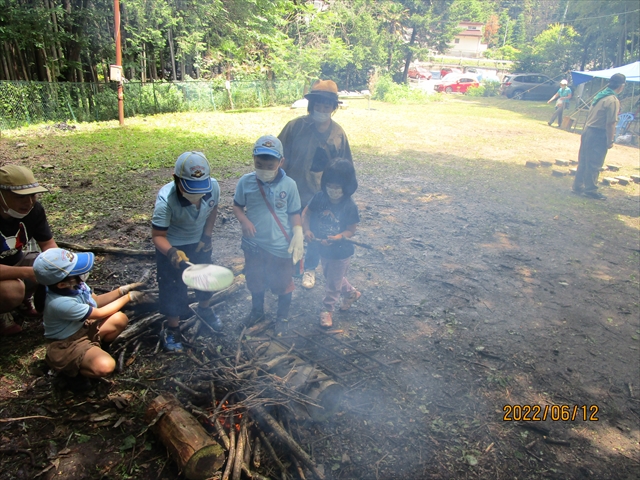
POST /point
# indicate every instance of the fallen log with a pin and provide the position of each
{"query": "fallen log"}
(103, 249)
(197, 454)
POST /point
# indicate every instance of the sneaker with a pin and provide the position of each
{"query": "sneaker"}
(350, 300)
(28, 309)
(254, 317)
(8, 326)
(208, 315)
(326, 319)
(596, 195)
(169, 341)
(576, 191)
(309, 279)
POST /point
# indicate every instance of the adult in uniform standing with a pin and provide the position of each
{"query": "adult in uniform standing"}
(598, 137)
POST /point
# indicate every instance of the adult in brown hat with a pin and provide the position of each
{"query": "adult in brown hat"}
(311, 143)
(22, 218)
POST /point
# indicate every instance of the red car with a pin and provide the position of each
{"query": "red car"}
(444, 71)
(456, 84)
(419, 73)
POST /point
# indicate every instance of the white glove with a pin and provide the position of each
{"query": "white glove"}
(296, 247)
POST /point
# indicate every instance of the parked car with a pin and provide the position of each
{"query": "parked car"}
(528, 86)
(444, 71)
(456, 83)
(419, 73)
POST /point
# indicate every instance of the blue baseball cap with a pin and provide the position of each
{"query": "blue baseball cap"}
(192, 168)
(54, 265)
(268, 145)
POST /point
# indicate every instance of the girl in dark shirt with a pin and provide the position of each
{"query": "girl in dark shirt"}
(331, 217)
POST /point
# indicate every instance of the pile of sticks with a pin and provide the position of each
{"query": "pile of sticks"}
(237, 399)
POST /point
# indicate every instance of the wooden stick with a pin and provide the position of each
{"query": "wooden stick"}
(272, 452)
(237, 467)
(19, 419)
(298, 468)
(139, 327)
(186, 388)
(257, 452)
(222, 434)
(104, 249)
(232, 451)
(284, 437)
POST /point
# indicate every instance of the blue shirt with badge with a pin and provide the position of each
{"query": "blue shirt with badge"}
(66, 310)
(182, 220)
(283, 196)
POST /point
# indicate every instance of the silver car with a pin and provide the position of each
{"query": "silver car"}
(528, 86)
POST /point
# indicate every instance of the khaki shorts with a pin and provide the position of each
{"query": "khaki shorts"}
(66, 355)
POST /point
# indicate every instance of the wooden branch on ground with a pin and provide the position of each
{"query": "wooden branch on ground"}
(137, 328)
(285, 438)
(232, 452)
(240, 446)
(103, 249)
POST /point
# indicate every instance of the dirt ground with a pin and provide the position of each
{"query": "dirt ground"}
(487, 290)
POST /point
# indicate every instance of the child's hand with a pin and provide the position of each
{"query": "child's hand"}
(334, 238)
(248, 229)
(309, 236)
(137, 298)
(204, 244)
(176, 257)
(123, 290)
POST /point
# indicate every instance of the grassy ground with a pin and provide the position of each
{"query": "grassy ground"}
(483, 133)
(490, 281)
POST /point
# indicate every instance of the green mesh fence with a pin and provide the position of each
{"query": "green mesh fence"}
(25, 103)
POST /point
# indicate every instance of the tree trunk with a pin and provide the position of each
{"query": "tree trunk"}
(173, 54)
(195, 452)
(407, 62)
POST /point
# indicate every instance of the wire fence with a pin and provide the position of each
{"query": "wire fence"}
(27, 103)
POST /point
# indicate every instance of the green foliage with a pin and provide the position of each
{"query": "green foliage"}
(487, 89)
(554, 51)
(386, 90)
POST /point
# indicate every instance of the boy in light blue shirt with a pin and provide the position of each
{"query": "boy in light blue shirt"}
(267, 205)
(185, 213)
(75, 320)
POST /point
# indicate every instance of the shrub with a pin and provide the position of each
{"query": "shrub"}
(386, 90)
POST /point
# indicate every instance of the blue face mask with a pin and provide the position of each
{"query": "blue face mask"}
(320, 117)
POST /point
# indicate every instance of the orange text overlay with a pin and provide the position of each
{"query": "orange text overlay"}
(556, 413)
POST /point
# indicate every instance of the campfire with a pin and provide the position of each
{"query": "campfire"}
(242, 401)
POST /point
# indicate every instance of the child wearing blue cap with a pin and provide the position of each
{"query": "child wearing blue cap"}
(267, 205)
(330, 217)
(182, 225)
(75, 320)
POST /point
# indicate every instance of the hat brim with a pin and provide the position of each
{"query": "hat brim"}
(84, 263)
(321, 94)
(196, 186)
(27, 191)
(267, 151)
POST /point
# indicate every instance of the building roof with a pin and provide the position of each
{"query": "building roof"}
(471, 23)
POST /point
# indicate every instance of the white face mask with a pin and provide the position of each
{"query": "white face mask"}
(334, 193)
(193, 197)
(266, 176)
(11, 212)
(320, 117)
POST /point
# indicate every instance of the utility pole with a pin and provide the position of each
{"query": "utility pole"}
(116, 6)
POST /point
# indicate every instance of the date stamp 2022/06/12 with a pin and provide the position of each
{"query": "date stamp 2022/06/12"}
(540, 413)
